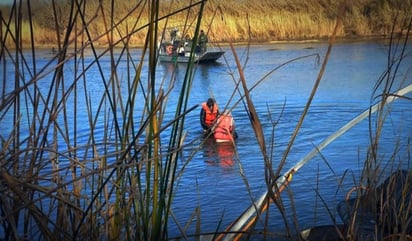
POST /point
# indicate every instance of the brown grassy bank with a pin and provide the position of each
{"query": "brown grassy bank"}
(226, 21)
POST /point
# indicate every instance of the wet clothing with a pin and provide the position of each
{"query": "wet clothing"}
(208, 115)
(224, 129)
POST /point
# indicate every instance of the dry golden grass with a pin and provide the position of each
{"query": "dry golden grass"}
(227, 21)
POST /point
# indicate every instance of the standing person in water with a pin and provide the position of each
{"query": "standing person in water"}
(208, 114)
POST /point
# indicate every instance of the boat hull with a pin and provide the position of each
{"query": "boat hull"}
(203, 58)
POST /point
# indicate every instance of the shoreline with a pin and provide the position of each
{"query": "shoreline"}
(347, 39)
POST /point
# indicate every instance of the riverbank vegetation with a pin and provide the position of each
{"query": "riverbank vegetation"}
(226, 21)
(113, 175)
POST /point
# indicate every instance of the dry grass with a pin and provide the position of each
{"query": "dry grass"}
(269, 21)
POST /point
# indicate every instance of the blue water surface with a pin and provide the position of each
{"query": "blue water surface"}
(217, 183)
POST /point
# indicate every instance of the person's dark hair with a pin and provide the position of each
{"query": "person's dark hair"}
(210, 102)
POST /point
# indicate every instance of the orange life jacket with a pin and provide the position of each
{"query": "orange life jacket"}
(211, 114)
(169, 49)
(224, 128)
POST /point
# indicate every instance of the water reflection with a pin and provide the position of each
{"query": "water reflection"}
(225, 152)
(222, 153)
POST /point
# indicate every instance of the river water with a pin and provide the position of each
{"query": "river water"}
(221, 182)
(218, 187)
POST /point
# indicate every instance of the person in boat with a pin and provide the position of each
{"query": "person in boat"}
(181, 50)
(203, 39)
(224, 128)
(173, 35)
(208, 114)
(188, 41)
